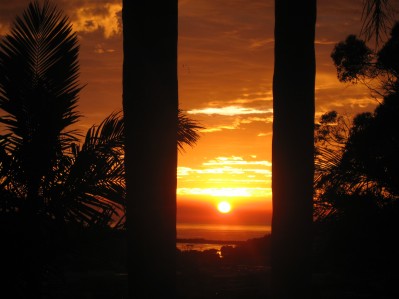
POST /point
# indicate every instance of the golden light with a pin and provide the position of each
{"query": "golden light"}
(224, 207)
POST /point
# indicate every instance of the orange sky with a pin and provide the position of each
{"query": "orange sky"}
(225, 82)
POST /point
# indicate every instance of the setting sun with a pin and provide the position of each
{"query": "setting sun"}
(224, 207)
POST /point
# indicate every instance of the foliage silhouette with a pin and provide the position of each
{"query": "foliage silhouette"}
(43, 171)
(356, 213)
(39, 93)
(357, 171)
(50, 184)
(39, 155)
(187, 131)
(352, 59)
(358, 158)
(187, 135)
(377, 17)
(356, 62)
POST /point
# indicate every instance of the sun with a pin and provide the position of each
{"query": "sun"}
(224, 207)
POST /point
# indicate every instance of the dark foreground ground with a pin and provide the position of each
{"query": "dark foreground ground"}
(229, 282)
(242, 273)
(97, 270)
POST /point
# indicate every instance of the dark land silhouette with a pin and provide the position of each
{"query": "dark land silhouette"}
(97, 269)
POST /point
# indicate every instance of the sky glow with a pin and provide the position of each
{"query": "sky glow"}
(225, 69)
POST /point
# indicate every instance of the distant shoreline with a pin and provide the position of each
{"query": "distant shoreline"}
(218, 234)
(205, 241)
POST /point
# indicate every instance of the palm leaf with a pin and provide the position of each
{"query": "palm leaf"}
(187, 131)
(377, 18)
(39, 72)
(94, 189)
(39, 89)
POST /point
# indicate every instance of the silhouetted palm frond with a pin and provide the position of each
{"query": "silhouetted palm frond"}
(187, 131)
(39, 72)
(377, 19)
(39, 89)
(40, 159)
(94, 188)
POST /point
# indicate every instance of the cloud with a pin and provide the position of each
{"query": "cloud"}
(264, 134)
(218, 128)
(229, 165)
(250, 98)
(258, 44)
(235, 122)
(249, 120)
(228, 110)
(93, 17)
(226, 192)
(233, 160)
(213, 170)
(324, 41)
(100, 49)
(85, 15)
(230, 176)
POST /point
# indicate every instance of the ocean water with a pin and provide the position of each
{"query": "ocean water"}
(219, 235)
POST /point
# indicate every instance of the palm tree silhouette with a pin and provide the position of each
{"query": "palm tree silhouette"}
(38, 93)
(43, 169)
(47, 179)
(293, 103)
(150, 106)
(44, 172)
(292, 148)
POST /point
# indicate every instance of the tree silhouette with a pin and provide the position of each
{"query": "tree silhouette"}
(356, 193)
(187, 135)
(357, 176)
(150, 105)
(364, 162)
(187, 131)
(292, 148)
(86, 187)
(293, 98)
(357, 63)
(377, 16)
(357, 158)
(38, 92)
(44, 172)
(39, 71)
(48, 180)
